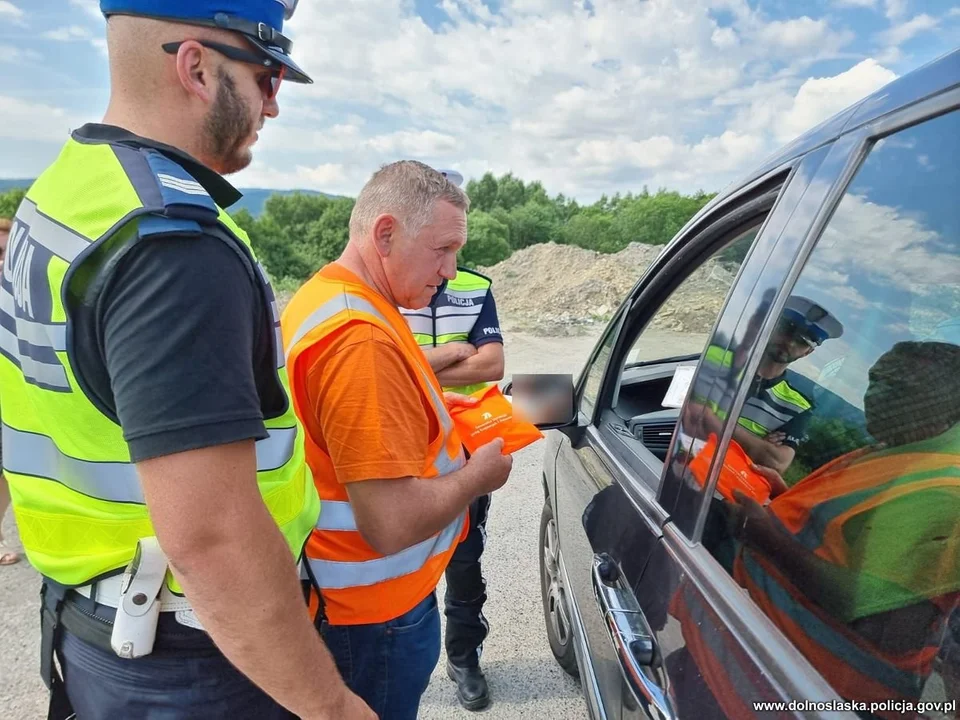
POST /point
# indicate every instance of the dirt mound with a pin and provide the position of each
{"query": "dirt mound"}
(553, 289)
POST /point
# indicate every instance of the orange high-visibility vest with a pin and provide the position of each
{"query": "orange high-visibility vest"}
(816, 512)
(359, 585)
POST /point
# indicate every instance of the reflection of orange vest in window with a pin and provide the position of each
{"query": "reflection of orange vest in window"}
(833, 514)
(359, 585)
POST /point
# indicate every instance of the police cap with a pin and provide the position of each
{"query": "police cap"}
(259, 21)
(453, 176)
(813, 323)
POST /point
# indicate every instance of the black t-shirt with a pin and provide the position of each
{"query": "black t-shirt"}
(177, 342)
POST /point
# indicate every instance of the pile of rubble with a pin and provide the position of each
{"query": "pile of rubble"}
(555, 290)
(558, 290)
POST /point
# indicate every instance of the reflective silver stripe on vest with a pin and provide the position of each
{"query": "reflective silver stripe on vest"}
(445, 463)
(455, 325)
(26, 453)
(468, 294)
(39, 365)
(333, 575)
(336, 515)
(52, 335)
(37, 455)
(280, 356)
(453, 310)
(763, 414)
(420, 325)
(56, 238)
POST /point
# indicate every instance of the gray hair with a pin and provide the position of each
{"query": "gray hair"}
(407, 189)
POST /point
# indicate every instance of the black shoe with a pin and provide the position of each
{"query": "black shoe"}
(472, 690)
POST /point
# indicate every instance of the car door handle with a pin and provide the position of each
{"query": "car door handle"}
(632, 638)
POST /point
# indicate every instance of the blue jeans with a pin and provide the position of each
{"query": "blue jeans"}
(389, 664)
(101, 685)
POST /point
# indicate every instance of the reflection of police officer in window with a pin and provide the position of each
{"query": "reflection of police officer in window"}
(859, 562)
(775, 415)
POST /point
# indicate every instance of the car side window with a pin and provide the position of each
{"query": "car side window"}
(639, 419)
(838, 502)
(593, 374)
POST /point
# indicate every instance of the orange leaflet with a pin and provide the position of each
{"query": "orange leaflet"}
(735, 473)
(492, 417)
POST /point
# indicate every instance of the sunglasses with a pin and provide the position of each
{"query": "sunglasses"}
(792, 329)
(269, 84)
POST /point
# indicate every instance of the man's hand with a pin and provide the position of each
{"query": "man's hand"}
(777, 484)
(777, 437)
(750, 520)
(491, 466)
(452, 400)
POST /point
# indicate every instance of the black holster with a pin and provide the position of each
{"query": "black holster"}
(52, 598)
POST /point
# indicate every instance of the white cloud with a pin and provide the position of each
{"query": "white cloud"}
(587, 97)
(8, 9)
(414, 144)
(895, 8)
(856, 3)
(800, 34)
(820, 98)
(23, 120)
(65, 34)
(90, 7)
(901, 33)
(15, 55)
(326, 177)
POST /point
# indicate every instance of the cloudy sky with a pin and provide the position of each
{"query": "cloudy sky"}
(588, 97)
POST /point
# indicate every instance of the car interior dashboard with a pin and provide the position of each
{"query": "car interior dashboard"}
(638, 419)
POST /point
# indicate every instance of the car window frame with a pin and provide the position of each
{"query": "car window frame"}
(613, 329)
(787, 665)
(682, 257)
(862, 142)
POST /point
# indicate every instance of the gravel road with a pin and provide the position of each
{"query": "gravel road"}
(525, 681)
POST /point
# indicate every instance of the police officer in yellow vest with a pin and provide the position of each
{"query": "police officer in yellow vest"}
(459, 332)
(155, 462)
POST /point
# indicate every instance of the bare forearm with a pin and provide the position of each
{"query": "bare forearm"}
(239, 574)
(477, 369)
(406, 512)
(443, 356)
(245, 589)
(762, 452)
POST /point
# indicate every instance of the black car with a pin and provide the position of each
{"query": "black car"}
(756, 510)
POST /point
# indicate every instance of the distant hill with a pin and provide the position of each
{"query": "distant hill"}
(13, 184)
(253, 199)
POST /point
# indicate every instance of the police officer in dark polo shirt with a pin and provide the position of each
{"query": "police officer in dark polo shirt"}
(156, 464)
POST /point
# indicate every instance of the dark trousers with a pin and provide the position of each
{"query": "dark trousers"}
(466, 592)
(389, 664)
(102, 686)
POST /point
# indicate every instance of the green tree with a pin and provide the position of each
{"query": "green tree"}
(486, 241)
(483, 193)
(592, 230)
(10, 201)
(531, 224)
(511, 192)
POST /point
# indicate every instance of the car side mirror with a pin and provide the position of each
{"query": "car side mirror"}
(543, 399)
